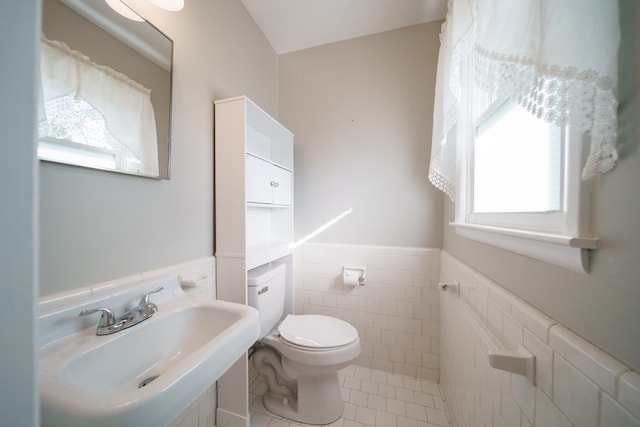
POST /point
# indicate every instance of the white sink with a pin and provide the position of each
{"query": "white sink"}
(145, 375)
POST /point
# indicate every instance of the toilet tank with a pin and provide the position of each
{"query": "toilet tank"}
(265, 293)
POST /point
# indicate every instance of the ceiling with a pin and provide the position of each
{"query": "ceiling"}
(292, 25)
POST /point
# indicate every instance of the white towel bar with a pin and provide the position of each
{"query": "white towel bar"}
(520, 361)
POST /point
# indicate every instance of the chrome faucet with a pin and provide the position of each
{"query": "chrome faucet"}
(108, 323)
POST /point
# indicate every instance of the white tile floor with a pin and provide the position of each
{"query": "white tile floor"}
(372, 399)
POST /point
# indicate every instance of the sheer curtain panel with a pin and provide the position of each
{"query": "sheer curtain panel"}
(557, 59)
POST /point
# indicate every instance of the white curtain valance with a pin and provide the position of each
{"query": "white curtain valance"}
(124, 104)
(557, 59)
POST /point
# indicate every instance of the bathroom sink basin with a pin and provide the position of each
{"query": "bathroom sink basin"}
(145, 375)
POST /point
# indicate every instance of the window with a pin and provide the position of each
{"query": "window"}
(519, 182)
(516, 171)
(535, 203)
(516, 162)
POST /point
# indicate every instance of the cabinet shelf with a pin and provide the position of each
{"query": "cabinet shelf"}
(268, 160)
(262, 253)
(268, 205)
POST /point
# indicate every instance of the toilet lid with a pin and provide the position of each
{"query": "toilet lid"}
(316, 331)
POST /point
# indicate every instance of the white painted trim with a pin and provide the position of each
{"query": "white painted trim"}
(561, 243)
(558, 239)
(234, 255)
(565, 251)
(229, 419)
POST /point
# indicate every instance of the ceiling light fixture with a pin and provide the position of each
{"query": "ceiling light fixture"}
(124, 10)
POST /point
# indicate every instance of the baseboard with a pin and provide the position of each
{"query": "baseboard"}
(230, 419)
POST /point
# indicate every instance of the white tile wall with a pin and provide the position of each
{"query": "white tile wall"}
(200, 413)
(575, 382)
(396, 312)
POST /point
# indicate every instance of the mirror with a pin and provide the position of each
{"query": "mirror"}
(106, 90)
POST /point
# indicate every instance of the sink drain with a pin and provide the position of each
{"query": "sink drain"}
(147, 381)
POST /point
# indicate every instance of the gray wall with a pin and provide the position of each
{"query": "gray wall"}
(19, 28)
(98, 226)
(601, 306)
(361, 114)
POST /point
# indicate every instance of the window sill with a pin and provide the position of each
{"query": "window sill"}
(565, 251)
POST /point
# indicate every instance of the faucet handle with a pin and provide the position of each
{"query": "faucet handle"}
(145, 298)
(107, 318)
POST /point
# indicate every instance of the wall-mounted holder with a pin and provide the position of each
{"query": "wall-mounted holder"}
(193, 281)
(453, 287)
(353, 276)
(520, 362)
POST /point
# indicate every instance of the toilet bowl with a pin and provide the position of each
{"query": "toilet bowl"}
(310, 349)
(300, 356)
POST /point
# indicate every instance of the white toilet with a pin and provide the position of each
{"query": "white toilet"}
(300, 356)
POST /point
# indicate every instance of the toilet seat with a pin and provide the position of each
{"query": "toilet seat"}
(314, 332)
(343, 346)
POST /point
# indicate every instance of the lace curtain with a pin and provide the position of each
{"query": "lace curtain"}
(557, 59)
(124, 104)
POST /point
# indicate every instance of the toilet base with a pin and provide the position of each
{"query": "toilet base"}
(318, 401)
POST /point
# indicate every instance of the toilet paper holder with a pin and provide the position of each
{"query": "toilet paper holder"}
(353, 275)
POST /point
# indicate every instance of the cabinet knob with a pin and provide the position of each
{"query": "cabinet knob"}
(275, 184)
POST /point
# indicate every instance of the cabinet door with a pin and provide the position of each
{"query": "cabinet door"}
(282, 186)
(259, 180)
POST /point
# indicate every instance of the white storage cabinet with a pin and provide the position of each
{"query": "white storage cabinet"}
(253, 193)
(253, 219)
